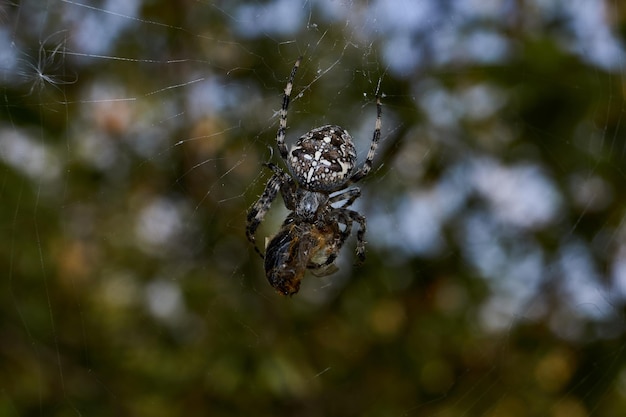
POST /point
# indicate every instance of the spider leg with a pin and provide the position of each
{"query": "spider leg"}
(350, 195)
(282, 126)
(257, 212)
(367, 165)
(350, 216)
(345, 234)
(287, 186)
(280, 181)
(347, 231)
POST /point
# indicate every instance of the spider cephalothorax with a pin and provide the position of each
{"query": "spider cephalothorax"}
(321, 164)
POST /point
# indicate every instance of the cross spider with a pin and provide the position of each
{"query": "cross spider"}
(321, 164)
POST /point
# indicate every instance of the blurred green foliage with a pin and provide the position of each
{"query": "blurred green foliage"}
(126, 173)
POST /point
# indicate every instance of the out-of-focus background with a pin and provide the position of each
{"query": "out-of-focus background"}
(132, 137)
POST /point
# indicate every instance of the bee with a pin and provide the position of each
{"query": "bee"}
(299, 246)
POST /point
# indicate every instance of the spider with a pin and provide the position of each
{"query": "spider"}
(321, 168)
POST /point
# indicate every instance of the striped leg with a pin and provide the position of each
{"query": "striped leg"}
(282, 127)
(367, 165)
(280, 181)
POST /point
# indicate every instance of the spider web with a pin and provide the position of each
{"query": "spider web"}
(131, 146)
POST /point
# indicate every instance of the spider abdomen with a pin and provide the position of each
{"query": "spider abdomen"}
(323, 159)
